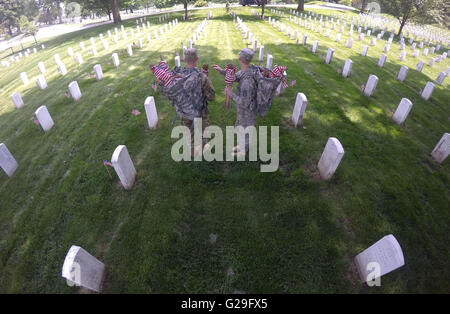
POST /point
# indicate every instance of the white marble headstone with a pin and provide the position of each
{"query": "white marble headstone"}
(123, 165)
(440, 78)
(129, 50)
(269, 61)
(41, 82)
(419, 66)
(299, 109)
(24, 78)
(17, 100)
(402, 73)
(382, 60)
(329, 57)
(442, 149)
(402, 111)
(41, 67)
(386, 253)
(98, 72)
(150, 111)
(427, 91)
(331, 158)
(44, 118)
(78, 58)
(75, 90)
(347, 68)
(371, 85)
(83, 269)
(7, 161)
(115, 59)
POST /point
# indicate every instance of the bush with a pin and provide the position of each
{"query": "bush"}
(201, 3)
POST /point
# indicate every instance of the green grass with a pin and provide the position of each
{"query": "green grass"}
(282, 232)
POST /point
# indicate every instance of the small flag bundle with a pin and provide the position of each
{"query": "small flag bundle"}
(135, 112)
(230, 77)
(230, 74)
(205, 69)
(278, 71)
(163, 75)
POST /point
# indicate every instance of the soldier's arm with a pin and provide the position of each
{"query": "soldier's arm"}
(246, 92)
(208, 89)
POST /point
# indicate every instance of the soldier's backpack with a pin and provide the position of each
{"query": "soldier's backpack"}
(186, 93)
(265, 91)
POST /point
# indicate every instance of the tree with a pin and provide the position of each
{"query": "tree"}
(114, 4)
(301, 5)
(363, 5)
(27, 27)
(10, 14)
(408, 10)
(185, 5)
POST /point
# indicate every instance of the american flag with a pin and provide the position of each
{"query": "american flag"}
(292, 83)
(278, 71)
(135, 112)
(107, 163)
(230, 74)
(163, 76)
(154, 86)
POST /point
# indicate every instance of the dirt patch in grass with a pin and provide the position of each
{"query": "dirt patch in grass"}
(311, 170)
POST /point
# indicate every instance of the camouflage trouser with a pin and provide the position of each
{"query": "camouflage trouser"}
(245, 117)
(190, 125)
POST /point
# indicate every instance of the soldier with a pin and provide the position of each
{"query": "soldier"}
(245, 98)
(191, 93)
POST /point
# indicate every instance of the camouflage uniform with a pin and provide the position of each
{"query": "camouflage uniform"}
(190, 96)
(245, 99)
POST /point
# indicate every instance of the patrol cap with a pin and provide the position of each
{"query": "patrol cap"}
(190, 55)
(246, 54)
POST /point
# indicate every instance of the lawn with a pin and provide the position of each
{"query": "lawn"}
(280, 232)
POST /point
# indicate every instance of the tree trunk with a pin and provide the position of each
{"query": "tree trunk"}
(301, 5)
(402, 23)
(185, 10)
(115, 11)
(35, 41)
(10, 30)
(363, 5)
(263, 5)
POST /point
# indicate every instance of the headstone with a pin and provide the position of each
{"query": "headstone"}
(329, 57)
(402, 73)
(419, 66)
(299, 109)
(140, 43)
(442, 149)
(70, 51)
(386, 48)
(427, 91)
(94, 50)
(44, 118)
(82, 46)
(98, 72)
(416, 53)
(41, 82)
(150, 111)
(382, 60)
(124, 166)
(24, 78)
(261, 53)
(431, 62)
(350, 42)
(338, 37)
(330, 159)
(440, 78)
(425, 52)
(17, 100)
(83, 269)
(364, 51)
(402, 55)
(7, 161)
(371, 85)
(315, 46)
(402, 111)
(347, 68)
(79, 58)
(269, 61)
(41, 67)
(386, 253)
(56, 58)
(62, 68)
(75, 90)
(305, 38)
(129, 50)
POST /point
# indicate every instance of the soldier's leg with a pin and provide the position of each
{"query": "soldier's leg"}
(190, 125)
(205, 124)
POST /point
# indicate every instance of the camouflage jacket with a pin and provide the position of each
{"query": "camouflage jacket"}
(191, 93)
